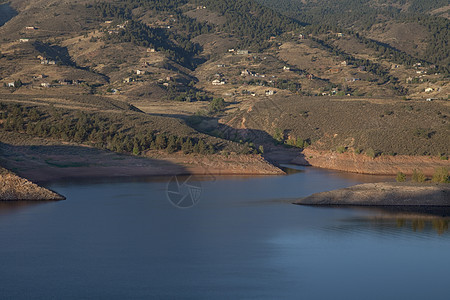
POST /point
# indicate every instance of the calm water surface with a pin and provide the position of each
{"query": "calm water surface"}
(122, 239)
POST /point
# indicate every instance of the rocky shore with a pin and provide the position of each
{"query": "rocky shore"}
(14, 188)
(383, 194)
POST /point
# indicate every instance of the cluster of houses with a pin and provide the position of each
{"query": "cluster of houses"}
(253, 74)
(45, 84)
(268, 93)
(137, 72)
(118, 27)
(45, 61)
(60, 82)
(239, 51)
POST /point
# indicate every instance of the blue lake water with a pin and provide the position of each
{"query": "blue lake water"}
(123, 239)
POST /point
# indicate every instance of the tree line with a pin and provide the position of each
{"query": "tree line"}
(100, 132)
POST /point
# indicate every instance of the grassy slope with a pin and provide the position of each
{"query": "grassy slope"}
(389, 127)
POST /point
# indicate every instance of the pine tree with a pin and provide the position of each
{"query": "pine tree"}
(136, 150)
(171, 144)
(160, 142)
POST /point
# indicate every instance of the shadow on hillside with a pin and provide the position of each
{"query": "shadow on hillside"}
(6, 13)
(211, 126)
(48, 163)
(61, 55)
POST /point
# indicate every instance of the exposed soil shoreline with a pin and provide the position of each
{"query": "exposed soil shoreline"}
(383, 194)
(360, 163)
(93, 163)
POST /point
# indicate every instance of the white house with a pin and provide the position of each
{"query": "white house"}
(429, 90)
(218, 82)
(270, 92)
(242, 52)
(11, 84)
(140, 72)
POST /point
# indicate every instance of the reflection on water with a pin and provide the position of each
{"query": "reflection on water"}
(391, 219)
(11, 206)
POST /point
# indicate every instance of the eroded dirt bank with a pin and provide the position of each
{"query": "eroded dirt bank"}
(360, 163)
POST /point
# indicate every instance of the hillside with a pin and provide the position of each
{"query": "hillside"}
(206, 78)
(413, 27)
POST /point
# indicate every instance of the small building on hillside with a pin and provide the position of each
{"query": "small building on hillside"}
(429, 90)
(242, 52)
(11, 84)
(334, 70)
(270, 92)
(218, 82)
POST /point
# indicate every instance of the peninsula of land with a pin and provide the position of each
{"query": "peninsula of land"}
(14, 188)
(383, 194)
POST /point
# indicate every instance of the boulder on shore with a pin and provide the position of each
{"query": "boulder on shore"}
(383, 194)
